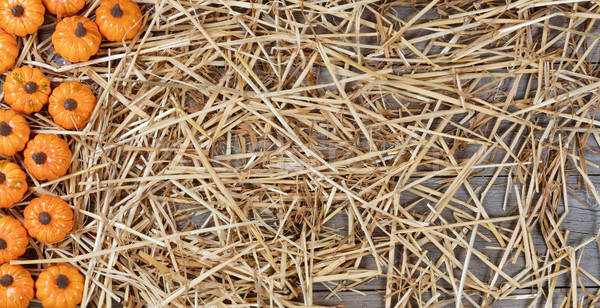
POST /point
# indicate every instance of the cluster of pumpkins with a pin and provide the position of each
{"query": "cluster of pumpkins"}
(48, 219)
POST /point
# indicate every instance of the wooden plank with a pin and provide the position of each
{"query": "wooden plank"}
(368, 299)
(497, 158)
(520, 299)
(582, 221)
(375, 299)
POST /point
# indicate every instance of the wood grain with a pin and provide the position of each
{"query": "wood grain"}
(520, 299)
(582, 221)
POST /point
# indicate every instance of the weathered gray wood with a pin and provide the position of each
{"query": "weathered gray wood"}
(521, 299)
(369, 299)
(582, 221)
(376, 299)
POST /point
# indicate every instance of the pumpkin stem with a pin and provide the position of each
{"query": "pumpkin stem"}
(70, 104)
(31, 87)
(6, 281)
(3, 244)
(2, 178)
(17, 10)
(62, 281)
(116, 11)
(80, 31)
(39, 158)
(44, 218)
(5, 129)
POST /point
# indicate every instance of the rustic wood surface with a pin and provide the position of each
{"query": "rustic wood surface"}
(582, 222)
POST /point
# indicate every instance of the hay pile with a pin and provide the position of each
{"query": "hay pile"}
(247, 153)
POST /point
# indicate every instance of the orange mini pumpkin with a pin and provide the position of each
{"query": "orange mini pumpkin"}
(71, 105)
(13, 239)
(47, 157)
(64, 8)
(26, 89)
(76, 38)
(21, 17)
(14, 132)
(48, 219)
(118, 20)
(60, 286)
(13, 184)
(16, 286)
(9, 51)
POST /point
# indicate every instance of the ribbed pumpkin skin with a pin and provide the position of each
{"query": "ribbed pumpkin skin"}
(14, 132)
(51, 295)
(72, 47)
(26, 89)
(20, 291)
(57, 212)
(9, 51)
(69, 95)
(56, 154)
(64, 8)
(124, 27)
(14, 238)
(27, 22)
(13, 185)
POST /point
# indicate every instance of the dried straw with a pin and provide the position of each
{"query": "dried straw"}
(265, 153)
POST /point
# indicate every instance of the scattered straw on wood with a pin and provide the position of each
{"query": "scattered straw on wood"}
(258, 153)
